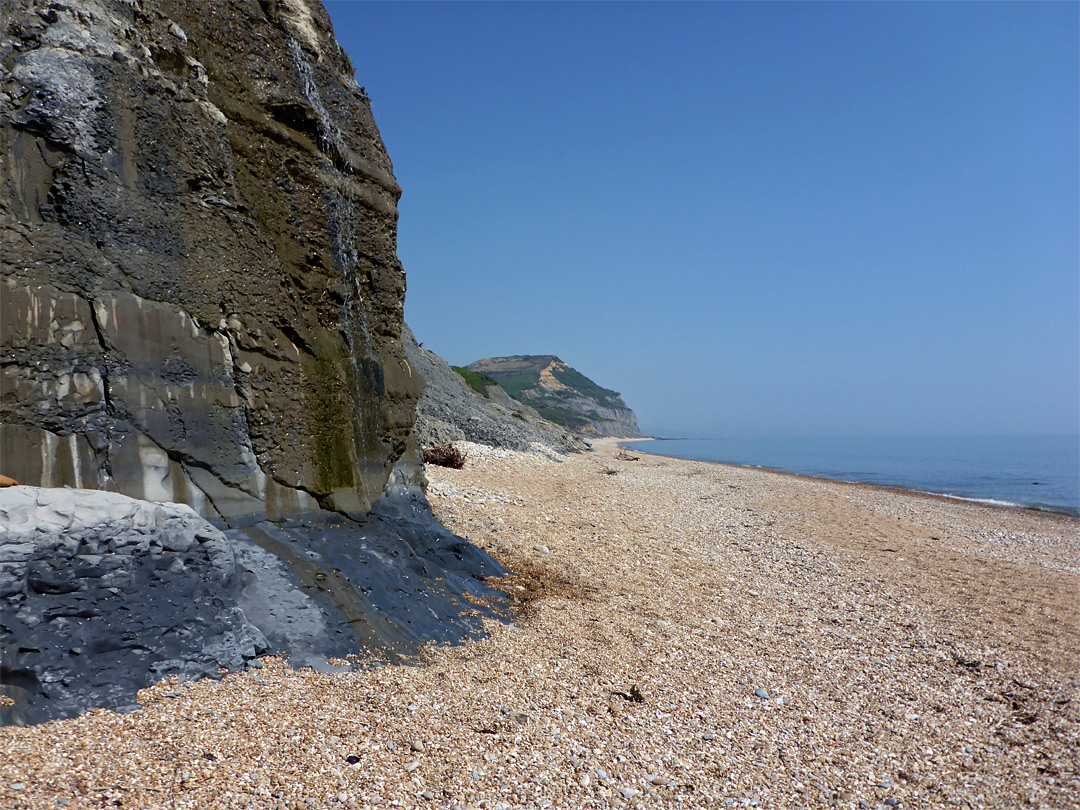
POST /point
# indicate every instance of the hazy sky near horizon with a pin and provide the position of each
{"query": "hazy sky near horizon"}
(753, 219)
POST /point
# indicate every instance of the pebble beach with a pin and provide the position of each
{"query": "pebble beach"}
(681, 634)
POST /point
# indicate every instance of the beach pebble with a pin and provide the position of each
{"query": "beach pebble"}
(542, 549)
(417, 745)
(412, 766)
(761, 693)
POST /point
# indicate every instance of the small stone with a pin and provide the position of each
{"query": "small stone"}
(584, 780)
(761, 693)
(708, 736)
(891, 802)
(628, 793)
(542, 549)
(417, 746)
(412, 766)
(16, 786)
(427, 794)
(341, 797)
(390, 746)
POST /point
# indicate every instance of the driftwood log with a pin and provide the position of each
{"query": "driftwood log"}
(445, 455)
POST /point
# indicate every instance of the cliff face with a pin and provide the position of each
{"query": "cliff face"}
(201, 303)
(561, 394)
(449, 411)
(201, 300)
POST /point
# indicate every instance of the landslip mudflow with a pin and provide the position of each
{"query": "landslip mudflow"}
(688, 634)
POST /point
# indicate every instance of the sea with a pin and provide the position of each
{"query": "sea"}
(1034, 472)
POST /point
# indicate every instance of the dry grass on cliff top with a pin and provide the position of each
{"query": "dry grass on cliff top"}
(689, 635)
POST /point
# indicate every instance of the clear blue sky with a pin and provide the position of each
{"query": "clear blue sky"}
(761, 219)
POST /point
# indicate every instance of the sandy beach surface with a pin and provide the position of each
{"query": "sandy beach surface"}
(687, 634)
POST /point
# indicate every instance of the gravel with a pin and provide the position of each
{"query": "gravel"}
(926, 649)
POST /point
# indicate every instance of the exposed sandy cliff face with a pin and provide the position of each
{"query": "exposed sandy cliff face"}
(201, 300)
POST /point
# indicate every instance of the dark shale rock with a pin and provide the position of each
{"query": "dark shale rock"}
(102, 595)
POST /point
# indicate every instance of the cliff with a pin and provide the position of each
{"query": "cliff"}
(450, 410)
(201, 304)
(561, 394)
(201, 298)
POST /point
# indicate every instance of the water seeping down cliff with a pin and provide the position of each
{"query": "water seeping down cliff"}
(201, 303)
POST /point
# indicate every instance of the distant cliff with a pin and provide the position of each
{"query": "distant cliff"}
(453, 409)
(561, 394)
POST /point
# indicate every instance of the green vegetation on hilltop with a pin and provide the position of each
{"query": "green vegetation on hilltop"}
(516, 384)
(476, 380)
(578, 382)
(560, 394)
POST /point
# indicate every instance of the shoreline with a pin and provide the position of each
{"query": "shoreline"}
(992, 503)
(685, 634)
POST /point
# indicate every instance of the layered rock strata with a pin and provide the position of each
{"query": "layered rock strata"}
(201, 300)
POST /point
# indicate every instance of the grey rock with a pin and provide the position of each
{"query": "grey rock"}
(211, 600)
(761, 693)
(449, 410)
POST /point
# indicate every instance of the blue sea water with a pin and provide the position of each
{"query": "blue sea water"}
(1040, 472)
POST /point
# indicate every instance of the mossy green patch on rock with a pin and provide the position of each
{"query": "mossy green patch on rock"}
(477, 382)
